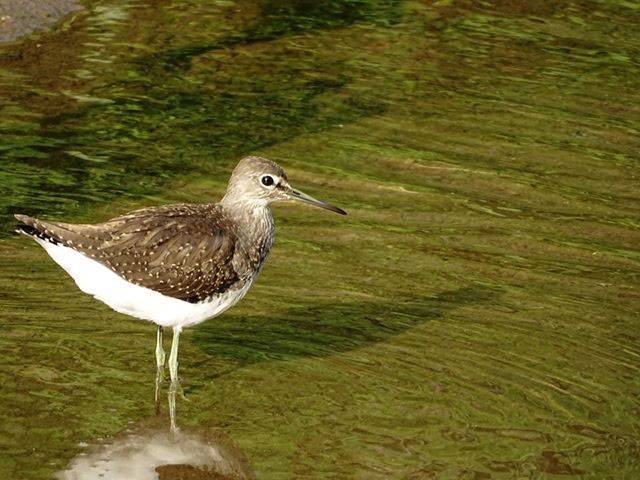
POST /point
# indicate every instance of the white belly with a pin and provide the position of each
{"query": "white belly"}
(140, 302)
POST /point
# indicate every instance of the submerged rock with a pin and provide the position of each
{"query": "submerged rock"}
(21, 17)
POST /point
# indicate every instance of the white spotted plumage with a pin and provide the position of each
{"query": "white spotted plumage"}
(140, 302)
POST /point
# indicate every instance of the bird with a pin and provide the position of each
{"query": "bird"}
(175, 265)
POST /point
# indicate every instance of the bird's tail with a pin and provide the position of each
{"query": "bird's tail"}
(33, 228)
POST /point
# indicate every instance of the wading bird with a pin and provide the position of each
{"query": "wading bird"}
(175, 265)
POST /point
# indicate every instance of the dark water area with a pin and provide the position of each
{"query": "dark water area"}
(221, 109)
(475, 316)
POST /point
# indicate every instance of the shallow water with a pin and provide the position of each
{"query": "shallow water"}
(476, 314)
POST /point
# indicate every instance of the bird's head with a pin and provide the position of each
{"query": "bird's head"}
(257, 181)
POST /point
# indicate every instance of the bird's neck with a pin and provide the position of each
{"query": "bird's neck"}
(254, 226)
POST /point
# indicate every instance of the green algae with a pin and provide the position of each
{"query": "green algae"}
(475, 315)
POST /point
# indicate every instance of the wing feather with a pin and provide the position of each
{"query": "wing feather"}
(183, 251)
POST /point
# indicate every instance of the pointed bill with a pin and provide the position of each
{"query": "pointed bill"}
(294, 194)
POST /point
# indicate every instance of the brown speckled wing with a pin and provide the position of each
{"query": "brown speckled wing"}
(182, 251)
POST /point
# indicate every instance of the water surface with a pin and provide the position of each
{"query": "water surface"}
(476, 314)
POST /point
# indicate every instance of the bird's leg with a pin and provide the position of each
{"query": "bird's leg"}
(158, 384)
(160, 366)
(173, 357)
(159, 350)
(173, 389)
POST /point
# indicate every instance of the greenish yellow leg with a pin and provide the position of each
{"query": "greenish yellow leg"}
(159, 350)
(173, 389)
(173, 357)
(160, 366)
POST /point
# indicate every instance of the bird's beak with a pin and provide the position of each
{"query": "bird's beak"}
(294, 194)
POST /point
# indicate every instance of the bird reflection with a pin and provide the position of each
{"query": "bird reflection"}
(155, 450)
(174, 389)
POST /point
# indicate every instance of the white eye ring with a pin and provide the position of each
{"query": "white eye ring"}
(268, 181)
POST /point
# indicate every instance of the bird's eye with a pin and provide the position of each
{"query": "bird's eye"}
(267, 180)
